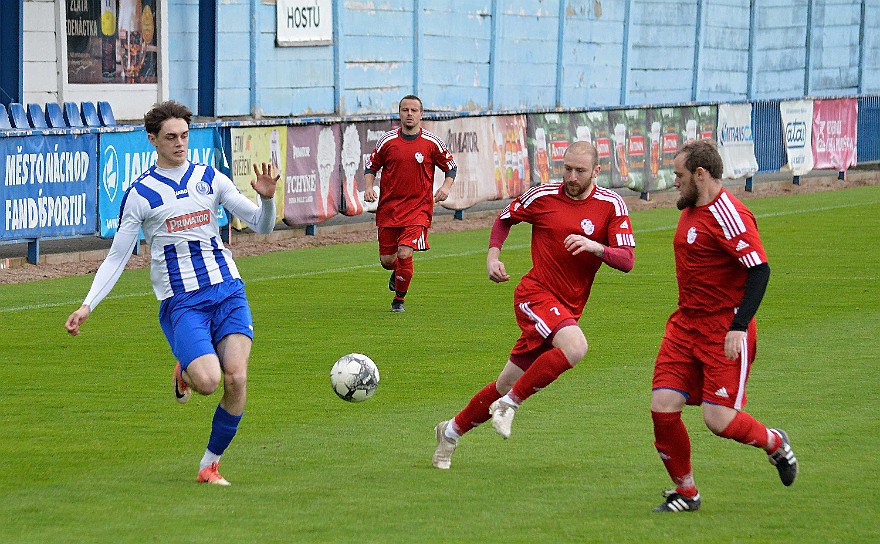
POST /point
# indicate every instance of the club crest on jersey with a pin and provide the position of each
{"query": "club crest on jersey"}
(692, 235)
(588, 226)
(419, 157)
(203, 188)
(188, 221)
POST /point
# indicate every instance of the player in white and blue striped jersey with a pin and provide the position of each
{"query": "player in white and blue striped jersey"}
(203, 312)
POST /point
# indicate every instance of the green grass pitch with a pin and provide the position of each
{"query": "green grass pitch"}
(94, 449)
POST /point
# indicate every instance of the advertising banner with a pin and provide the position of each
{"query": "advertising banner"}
(548, 137)
(628, 151)
(797, 126)
(312, 187)
(592, 127)
(834, 133)
(256, 145)
(468, 139)
(358, 141)
(707, 122)
(124, 156)
(112, 41)
(664, 126)
(48, 186)
(736, 144)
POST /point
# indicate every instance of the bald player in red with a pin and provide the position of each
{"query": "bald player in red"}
(576, 226)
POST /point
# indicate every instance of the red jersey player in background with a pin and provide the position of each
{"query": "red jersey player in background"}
(407, 156)
(710, 340)
(576, 226)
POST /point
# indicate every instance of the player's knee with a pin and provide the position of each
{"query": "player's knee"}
(503, 385)
(235, 382)
(576, 350)
(388, 262)
(716, 422)
(206, 385)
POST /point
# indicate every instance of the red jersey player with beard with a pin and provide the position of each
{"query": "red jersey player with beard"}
(709, 344)
(407, 157)
(576, 226)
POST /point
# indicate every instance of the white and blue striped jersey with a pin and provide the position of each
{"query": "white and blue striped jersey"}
(177, 210)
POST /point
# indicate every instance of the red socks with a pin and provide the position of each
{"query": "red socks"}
(477, 410)
(674, 446)
(544, 371)
(748, 430)
(403, 274)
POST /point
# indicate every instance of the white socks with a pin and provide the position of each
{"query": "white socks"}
(208, 459)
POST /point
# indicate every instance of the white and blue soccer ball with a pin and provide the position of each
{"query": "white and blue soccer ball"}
(354, 377)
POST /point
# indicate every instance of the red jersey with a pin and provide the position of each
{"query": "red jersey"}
(602, 216)
(714, 245)
(407, 184)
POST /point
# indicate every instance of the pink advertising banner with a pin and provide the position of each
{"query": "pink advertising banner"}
(834, 133)
(312, 183)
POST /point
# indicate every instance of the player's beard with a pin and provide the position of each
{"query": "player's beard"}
(688, 198)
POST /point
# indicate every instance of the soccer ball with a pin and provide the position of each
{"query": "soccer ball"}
(354, 377)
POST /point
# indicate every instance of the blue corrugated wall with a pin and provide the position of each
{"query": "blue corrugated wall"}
(768, 136)
(868, 145)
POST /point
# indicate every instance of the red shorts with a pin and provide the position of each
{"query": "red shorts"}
(539, 315)
(692, 362)
(414, 236)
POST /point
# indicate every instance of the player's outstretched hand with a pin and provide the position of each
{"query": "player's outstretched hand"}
(76, 319)
(266, 181)
(496, 270)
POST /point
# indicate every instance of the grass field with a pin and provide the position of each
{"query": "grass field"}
(94, 449)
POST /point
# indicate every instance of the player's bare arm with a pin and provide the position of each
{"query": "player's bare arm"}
(369, 190)
(443, 192)
(495, 267)
(76, 319)
(266, 181)
(575, 244)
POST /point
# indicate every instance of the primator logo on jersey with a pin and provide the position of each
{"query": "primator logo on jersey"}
(188, 221)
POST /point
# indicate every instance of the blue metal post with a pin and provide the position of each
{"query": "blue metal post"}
(624, 61)
(796, 180)
(338, 59)
(311, 230)
(12, 45)
(33, 249)
(698, 46)
(207, 58)
(753, 22)
(253, 64)
(493, 53)
(808, 46)
(560, 51)
(862, 56)
(459, 214)
(417, 37)
(749, 184)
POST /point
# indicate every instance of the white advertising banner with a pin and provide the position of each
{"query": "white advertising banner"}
(469, 139)
(797, 126)
(303, 22)
(735, 140)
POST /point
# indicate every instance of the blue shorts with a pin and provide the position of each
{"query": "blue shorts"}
(195, 322)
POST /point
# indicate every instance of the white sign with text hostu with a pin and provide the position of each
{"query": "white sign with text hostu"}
(304, 22)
